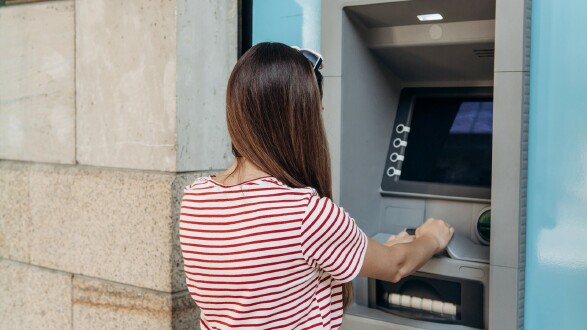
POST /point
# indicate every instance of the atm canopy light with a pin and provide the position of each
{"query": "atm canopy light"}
(430, 17)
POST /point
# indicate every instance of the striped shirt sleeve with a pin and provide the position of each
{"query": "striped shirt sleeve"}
(331, 240)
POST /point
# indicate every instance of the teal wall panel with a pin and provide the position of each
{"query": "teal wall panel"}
(556, 237)
(293, 22)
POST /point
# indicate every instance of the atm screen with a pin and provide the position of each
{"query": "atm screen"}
(450, 141)
(441, 144)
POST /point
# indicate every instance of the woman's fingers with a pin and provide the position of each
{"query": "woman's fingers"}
(438, 230)
(402, 237)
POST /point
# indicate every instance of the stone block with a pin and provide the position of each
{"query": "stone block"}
(125, 83)
(37, 96)
(117, 225)
(204, 63)
(33, 297)
(99, 304)
(14, 212)
(151, 85)
(185, 314)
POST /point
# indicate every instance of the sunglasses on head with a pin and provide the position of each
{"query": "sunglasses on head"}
(314, 57)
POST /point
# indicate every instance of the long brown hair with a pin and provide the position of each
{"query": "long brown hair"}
(274, 116)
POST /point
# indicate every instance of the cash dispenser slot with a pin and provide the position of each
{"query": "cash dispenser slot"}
(431, 297)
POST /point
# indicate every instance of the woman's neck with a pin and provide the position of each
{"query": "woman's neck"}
(240, 170)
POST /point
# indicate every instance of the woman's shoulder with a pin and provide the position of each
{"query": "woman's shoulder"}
(209, 182)
(272, 181)
(198, 183)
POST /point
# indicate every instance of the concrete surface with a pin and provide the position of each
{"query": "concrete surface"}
(33, 297)
(37, 96)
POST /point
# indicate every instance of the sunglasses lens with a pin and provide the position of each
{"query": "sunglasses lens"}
(313, 57)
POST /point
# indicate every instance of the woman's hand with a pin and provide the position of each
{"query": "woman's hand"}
(400, 238)
(393, 260)
(436, 230)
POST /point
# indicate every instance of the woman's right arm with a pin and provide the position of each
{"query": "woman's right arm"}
(392, 263)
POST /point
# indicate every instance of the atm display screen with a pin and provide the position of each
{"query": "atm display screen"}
(441, 144)
(450, 141)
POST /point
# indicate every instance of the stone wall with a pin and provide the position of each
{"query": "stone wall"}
(37, 82)
(107, 110)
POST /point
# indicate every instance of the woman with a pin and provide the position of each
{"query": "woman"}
(263, 244)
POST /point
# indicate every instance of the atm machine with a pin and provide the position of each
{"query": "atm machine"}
(419, 127)
(440, 153)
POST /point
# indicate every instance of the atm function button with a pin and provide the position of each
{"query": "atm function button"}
(449, 309)
(416, 302)
(406, 301)
(392, 171)
(394, 157)
(395, 299)
(399, 143)
(437, 306)
(427, 304)
(401, 128)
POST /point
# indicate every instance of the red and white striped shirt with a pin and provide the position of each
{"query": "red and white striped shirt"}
(264, 255)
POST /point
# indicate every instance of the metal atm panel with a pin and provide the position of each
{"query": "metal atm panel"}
(367, 66)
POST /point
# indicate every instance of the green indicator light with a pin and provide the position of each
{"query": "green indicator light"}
(484, 226)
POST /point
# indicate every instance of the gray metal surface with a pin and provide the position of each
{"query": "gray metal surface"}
(405, 12)
(463, 248)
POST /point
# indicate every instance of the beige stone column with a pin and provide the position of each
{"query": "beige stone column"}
(107, 110)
